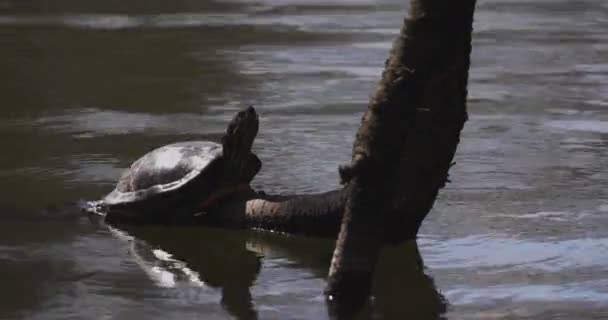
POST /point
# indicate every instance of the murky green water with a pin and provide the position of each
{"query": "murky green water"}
(88, 86)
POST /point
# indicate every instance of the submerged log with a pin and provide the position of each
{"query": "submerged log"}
(405, 145)
(317, 214)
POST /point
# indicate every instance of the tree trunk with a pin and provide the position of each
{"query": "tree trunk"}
(405, 145)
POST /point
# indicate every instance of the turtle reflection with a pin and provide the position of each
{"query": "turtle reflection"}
(230, 260)
(182, 257)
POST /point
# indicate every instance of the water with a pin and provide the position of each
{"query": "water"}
(89, 86)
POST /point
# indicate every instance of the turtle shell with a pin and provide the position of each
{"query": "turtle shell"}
(163, 170)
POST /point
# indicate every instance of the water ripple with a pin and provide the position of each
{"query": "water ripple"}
(496, 252)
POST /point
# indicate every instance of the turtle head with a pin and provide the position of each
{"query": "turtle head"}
(240, 165)
(241, 131)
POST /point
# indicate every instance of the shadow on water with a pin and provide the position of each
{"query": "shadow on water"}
(232, 261)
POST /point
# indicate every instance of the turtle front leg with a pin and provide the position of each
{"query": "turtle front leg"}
(228, 193)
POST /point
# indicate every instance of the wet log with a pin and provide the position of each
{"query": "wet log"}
(405, 145)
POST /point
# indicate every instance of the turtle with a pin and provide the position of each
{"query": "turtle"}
(180, 180)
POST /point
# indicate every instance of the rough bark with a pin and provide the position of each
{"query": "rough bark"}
(407, 140)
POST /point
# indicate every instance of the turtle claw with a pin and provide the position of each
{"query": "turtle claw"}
(96, 208)
(200, 213)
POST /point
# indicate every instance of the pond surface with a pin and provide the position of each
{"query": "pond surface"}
(89, 86)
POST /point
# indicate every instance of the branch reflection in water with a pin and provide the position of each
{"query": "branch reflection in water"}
(187, 258)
